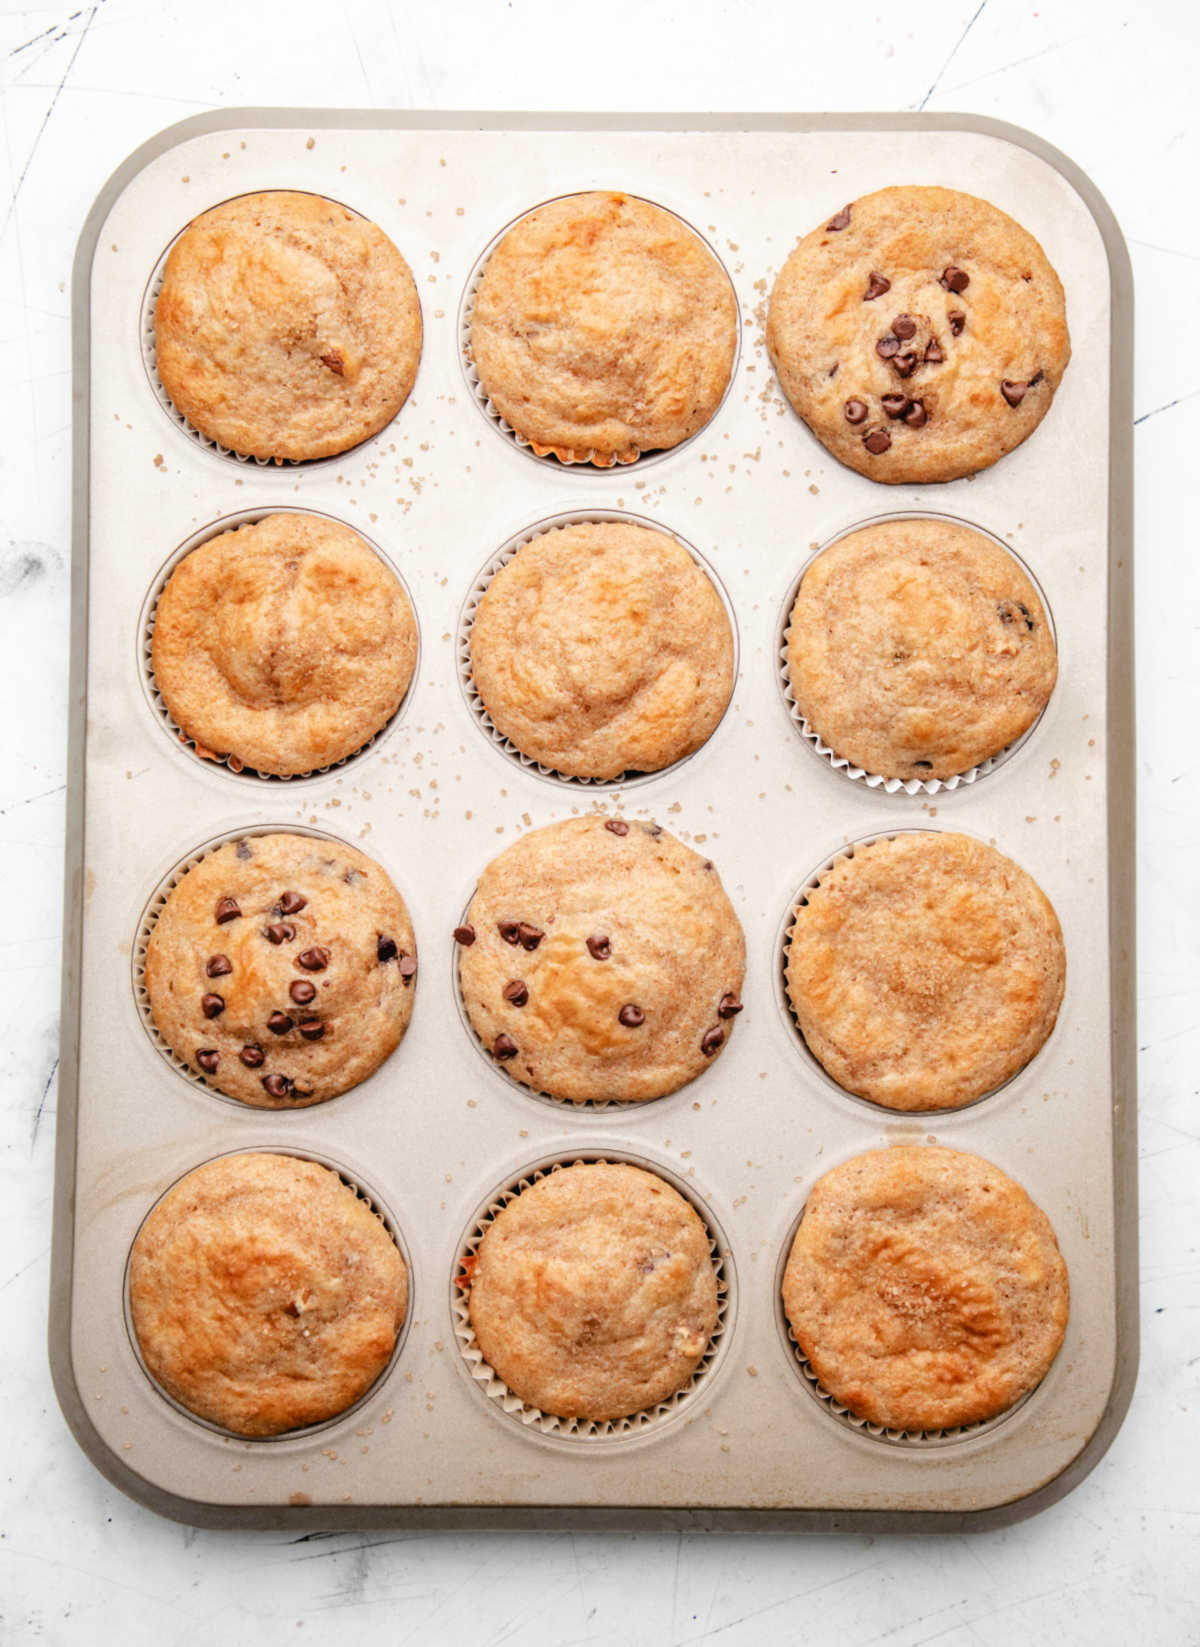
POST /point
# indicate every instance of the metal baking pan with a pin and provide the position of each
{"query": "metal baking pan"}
(438, 1132)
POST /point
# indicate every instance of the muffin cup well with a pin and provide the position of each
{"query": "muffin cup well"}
(841, 763)
(466, 618)
(580, 460)
(648, 1422)
(378, 1205)
(149, 920)
(839, 1413)
(149, 352)
(229, 763)
(783, 945)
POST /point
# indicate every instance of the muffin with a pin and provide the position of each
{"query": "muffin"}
(603, 327)
(265, 1294)
(285, 645)
(601, 959)
(925, 1287)
(593, 1293)
(920, 333)
(918, 649)
(287, 326)
(602, 648)
(282, 968)
(925, 970)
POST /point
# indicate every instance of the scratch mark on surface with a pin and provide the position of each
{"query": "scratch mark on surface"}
(15, 806)
(1017, 63)
(957, 47)
(41, 131)
(1166, 408)
(37, 1120)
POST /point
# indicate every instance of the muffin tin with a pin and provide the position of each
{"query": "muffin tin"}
(439, 1133)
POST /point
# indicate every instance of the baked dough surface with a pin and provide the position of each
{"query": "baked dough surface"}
(593, 1294)
(925, 1287)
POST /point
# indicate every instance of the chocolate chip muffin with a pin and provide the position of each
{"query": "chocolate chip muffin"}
(925, 970)
(282, 968)
(603, 648)
(287, 326)
(603, 327)
(601, 959)
(286, 644)
(926, 1288)
(920, 333)
(919, 648)
(265, 1294)
(593, 1293)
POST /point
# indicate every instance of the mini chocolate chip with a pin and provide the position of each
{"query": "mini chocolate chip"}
(510, 931)
(708, 863)
(954, 280)
(516, 992)
(1026, 616)
(302, 992)
(276, 1086)
(841, 221)
(312, 1029)
(252, 1056)
(904, 327)
(713, 1040)
(906, 364)
(895, 405)
(208, 1058)
(350, 876)
(653, 830)
(504, 1047)
(876, 287)
(928, 765)
(1014, 393)
(280, 932)
(242, 850)
(386, 949)
(291, 903)
(599, 946)
(833, 369)
(855, 411)
(957, 320)
(1008, 613)
(887, 347)
(1036, 379)
(335, 362)
(464, 935)
(407, 968)
(279, 1023)
(530, 936)
(226, 910)
(933, 353)
(916, 417)
(877, 441)
(631, 1016)
(212, 1006)
(315, 959)
(616, 826)
(218, 966)
(730, 1006)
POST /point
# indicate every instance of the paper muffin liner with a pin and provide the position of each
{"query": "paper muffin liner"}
(841, 763)
(149, 349)
(210, 759)
(563, 457)
(378, 1205)
(837, 1410)
(149, 920)
(507, 552)
(533, 1421)
(783, 947)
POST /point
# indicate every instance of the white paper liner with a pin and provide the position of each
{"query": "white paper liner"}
(149, 352)
(783, 946)
(531, 1419)
(840, 1413)
(230, 763)
(840, 763)
(591, 461)
(385, 1216)
(141, 995)
(466, 618)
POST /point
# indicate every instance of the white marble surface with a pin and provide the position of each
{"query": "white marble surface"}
(1113, 85)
